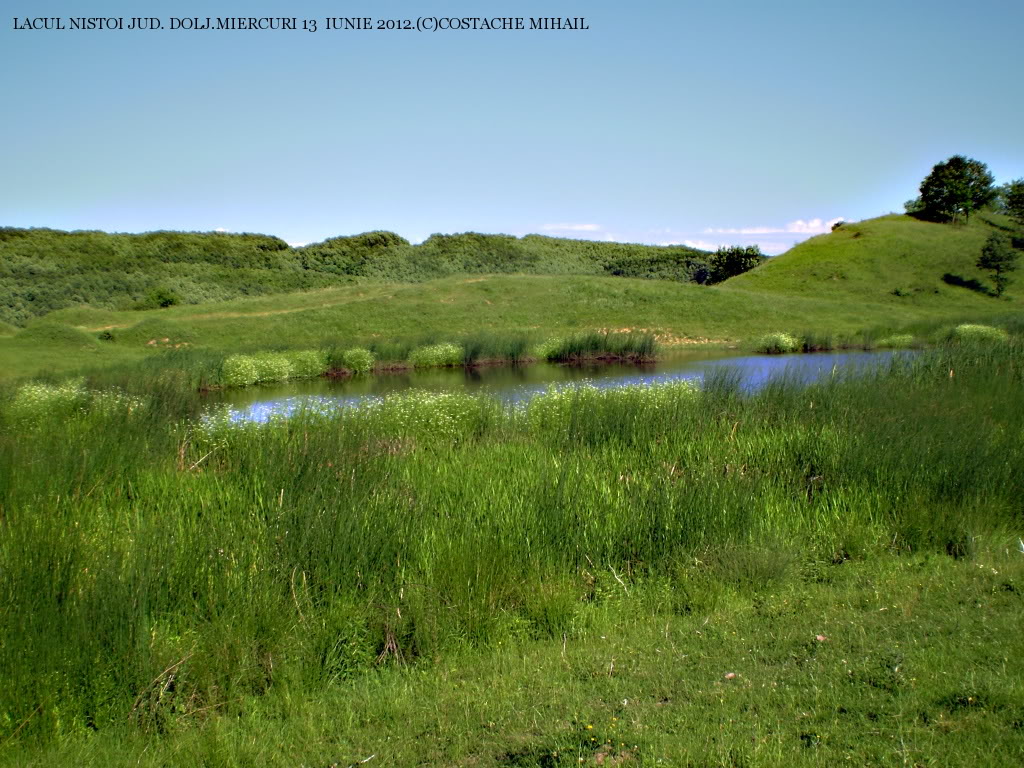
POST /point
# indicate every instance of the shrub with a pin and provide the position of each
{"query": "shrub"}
(160, 298)
(239, 371)
(34, 402)
(431, 415)
(777, 343)
(307, 363)
(358, 360)
(272, 366)
(436, 355)
(972, 333)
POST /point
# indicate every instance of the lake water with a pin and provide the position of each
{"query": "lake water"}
(515, 384)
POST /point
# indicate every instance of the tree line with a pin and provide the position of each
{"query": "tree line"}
(42, 270)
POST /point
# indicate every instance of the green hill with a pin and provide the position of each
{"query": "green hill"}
(43, 270)
(892, 260)
(885, 273)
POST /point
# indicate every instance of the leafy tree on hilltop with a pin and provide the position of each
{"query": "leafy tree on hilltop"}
(954, 187)
(734, 260)
(1000, 257)
(1013, 200)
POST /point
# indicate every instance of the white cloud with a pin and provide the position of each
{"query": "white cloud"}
(220, 229)
(571, 228)
(703, 245)
(798, 227)
(296, 245)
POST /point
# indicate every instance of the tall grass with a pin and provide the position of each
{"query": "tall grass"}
(156, 568)
(589, 346)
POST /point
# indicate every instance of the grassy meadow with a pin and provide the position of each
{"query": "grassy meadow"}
(799, 576)
(802, 575)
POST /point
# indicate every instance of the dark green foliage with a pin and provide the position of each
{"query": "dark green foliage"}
(732, 261)
(956, 187)
(1013, 200)
(1000, 257)
(914, 207)
(43, 270)
(160, 298)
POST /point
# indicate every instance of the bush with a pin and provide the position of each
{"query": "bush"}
(239, 371)
(272, 366)
(358, 360)
(970, 333)
(307, 363)
(33, 403)
(437, 355)
(160, 298)
(777, 343)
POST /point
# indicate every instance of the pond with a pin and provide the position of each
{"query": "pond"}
(515, 384)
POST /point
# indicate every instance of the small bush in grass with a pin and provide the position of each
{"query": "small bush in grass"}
(34, 402)
(546, 349)
(777, 343)
(971, 333)
(239, 371)
(896, 341)
(437, 355)
(307, 364)
(358, 360)
(272, 366)
(421, 415)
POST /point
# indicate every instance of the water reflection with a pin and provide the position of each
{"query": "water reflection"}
(516, 384)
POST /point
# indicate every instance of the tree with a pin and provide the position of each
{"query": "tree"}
(1000, 257)
(1013, 200)
(732, 261)
(954, 187)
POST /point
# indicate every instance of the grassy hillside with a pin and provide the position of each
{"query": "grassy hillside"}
(43, 270)
(892, 260)
(879, 274)
(68, 339)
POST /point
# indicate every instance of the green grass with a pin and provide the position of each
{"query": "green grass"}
(436, 579)
(874, 278)
(188, 587)
(894, 260)
(378, 315)
(917, 668)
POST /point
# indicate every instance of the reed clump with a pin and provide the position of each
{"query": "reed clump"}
(777, 343)
(636, 347)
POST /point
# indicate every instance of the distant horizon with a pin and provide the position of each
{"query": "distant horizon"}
(579, 237)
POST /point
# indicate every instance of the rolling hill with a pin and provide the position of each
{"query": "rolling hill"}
(892, 260)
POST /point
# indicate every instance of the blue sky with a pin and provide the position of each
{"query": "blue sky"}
(701, 122)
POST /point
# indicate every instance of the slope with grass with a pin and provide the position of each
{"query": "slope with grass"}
(442, 310)
(895, 260)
